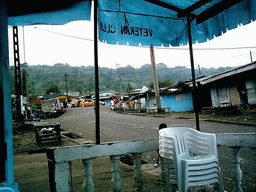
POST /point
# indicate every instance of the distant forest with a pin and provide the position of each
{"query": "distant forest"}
(81, 79)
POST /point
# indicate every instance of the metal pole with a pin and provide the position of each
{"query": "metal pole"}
(193, 73)
(97, 108)
(17, 76)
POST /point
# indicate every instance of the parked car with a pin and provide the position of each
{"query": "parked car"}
(85, 103)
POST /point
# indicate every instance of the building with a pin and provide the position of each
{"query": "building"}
(63, 98)
(235, 87)
(178, 98)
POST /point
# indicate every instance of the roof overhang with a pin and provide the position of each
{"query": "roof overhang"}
(201, 10)
(225, 74)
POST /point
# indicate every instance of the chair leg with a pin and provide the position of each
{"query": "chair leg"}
(220, 185)
(193, 188)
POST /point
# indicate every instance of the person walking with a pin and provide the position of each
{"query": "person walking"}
(161, 126)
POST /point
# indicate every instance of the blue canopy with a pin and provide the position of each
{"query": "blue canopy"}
(160, 22)
(22, 13)
(163, 22)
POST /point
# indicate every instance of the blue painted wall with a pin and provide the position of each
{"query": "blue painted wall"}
(107, 101)
(171, 101)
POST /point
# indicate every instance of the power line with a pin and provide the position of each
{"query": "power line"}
(62, 34)
(171, 48)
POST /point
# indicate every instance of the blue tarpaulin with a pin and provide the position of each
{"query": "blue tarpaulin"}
(80, 10)
(134, 22)
(142, 21)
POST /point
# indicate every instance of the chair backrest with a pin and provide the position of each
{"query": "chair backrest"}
(185, 141)
(199, 143)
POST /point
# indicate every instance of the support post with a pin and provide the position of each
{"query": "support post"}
(153, 64)
(88, 185)
(97, 107)
(6, 131)
(237, 173)
(17, 76)
(116, 180)
(195, 104)
(138, 173)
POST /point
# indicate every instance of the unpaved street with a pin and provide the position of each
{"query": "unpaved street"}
(117, 126)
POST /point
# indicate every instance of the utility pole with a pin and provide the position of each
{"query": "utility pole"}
(25, 84)
(66, 80)
(120, 79)
(251, 56)
(17, 76)
(199, 70)
(153, 64)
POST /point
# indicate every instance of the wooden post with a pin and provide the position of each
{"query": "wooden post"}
(153, 64)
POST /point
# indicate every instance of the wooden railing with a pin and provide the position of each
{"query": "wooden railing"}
(60, 158)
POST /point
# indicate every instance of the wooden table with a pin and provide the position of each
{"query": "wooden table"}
(54, 135)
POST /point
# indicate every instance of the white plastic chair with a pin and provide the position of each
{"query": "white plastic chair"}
(6, 189)
(193, 157)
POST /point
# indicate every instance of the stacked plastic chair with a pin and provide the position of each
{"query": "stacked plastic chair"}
(193, 158)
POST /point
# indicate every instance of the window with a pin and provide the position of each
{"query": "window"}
(181, 97)
(250, 92)
(223, 95)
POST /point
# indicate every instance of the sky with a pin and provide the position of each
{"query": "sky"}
(48, 45)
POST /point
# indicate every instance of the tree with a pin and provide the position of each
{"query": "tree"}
(162, 84)
(41, 77)
(53, 88)
(128, 88)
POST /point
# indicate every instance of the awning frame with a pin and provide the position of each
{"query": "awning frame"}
(203, 16)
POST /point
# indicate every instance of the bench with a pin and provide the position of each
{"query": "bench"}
(131, 110)
(150, 109)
